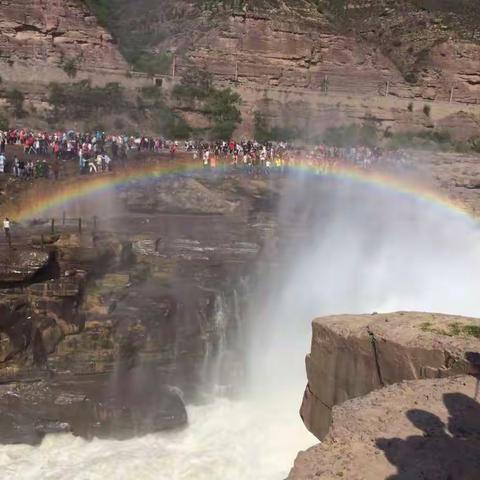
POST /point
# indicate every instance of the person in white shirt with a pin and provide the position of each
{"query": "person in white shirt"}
(6, 229)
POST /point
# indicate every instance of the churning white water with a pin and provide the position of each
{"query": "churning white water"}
(225, 440)
(350, 250)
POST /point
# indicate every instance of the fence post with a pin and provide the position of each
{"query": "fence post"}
(52, 229)
(63, 218)
(387, 90)
(80, 225)
(451, 94)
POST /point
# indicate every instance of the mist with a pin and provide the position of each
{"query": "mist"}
(339, 248)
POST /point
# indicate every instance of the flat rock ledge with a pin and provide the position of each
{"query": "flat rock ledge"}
(422, 429)
(352, 355)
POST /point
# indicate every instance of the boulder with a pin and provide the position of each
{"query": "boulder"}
(351, 355)
(89, 408)
(21, 266)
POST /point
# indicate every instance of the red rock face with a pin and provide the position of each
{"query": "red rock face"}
(54, 30)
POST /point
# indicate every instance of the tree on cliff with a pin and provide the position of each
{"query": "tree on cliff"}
(197, 92)
(15, 98)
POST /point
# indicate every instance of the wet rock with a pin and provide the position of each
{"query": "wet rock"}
(18, 429)
(130, 326)
(90, 408)
(20, 266)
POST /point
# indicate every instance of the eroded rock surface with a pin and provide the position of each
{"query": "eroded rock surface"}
(138, 317)
(351, 355)
(51, 32)
(418, 429)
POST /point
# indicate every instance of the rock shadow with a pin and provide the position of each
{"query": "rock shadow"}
(445, 451)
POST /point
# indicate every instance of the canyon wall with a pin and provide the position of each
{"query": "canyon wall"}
(40, 39)
(88, 318)
(289, 61)
(304, 72)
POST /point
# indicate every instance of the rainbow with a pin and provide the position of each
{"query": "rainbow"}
(44, 199)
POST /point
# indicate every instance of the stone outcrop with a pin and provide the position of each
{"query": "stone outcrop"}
(354, 354)
(392, 396)
(88, 408)
(416, 429)
(150, 297)
(179, 195)
(22, 265)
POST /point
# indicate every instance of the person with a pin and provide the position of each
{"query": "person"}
(173, 150)
(56, 168)
(16, 166)
(3, 160)
(6, 229)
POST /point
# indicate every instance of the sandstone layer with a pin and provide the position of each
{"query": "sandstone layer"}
(383, 64)
(418, 429)
(352, 355)
(376, 59)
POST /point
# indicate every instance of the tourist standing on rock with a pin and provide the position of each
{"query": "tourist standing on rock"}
(6, 229)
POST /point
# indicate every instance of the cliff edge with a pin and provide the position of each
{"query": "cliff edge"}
(353, 355)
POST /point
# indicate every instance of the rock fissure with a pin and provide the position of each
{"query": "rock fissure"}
(373, 341)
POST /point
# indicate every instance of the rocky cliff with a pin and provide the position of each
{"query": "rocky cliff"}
(304, 65)
(53, 31)
(107, 331)
(416, 429)
(307, 65)
(354, 355)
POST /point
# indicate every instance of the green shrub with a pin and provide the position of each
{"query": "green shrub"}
(151, 92)
(15, 98)
(221, 107)
(153, 64)
(119, 123)
(475, 144)
(352, 135)
(263, 133)
(169, 123)
(70, 67)
(195, 85)
(81, 100)
(4, 121)
(424, 139)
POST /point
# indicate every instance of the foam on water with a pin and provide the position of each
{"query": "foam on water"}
(226, 439)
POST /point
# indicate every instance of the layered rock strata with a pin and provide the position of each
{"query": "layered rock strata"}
(140, 314)
(354, 354)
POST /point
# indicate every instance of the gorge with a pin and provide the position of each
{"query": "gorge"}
(213, 299)
(240, 239)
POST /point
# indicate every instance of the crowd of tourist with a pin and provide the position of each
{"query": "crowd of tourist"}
(254, 157)
(45, 154)
(95, 153)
